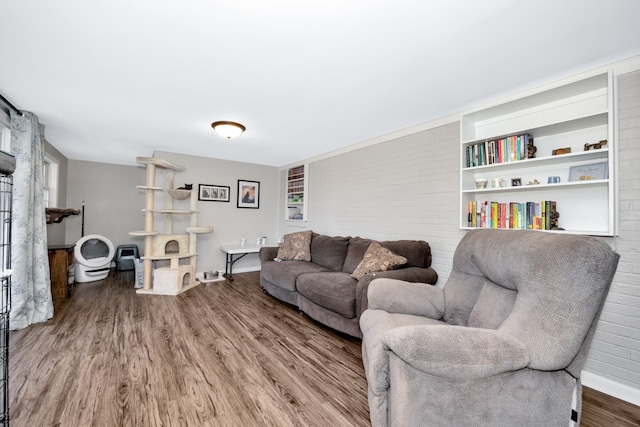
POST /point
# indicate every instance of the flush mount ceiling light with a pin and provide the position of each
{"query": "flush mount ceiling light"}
(228, 129)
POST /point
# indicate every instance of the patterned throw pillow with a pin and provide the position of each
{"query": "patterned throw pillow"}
(296, 246)
(377, 258)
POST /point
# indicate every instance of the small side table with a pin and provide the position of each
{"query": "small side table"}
(242, 251)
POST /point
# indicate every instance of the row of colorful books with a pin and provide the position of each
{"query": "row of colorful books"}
(296, 173)
(509, 149)
(530, 215)
(295, 187)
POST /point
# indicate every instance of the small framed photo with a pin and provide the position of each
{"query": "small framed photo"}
(213, 193)
(248, 194)
(516, 182)
(559, 151)
(589, 172)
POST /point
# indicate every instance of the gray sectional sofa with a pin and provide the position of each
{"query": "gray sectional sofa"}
(323, 285)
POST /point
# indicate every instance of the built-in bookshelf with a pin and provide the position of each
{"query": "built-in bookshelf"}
(296, 193)
(551, 145)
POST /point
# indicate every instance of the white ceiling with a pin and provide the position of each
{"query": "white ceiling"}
(116, 79)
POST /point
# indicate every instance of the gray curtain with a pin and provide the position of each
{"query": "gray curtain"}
(30, 282)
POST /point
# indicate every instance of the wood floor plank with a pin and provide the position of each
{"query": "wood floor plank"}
(221, 354)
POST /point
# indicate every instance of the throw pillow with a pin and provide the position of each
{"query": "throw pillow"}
(377, 258)
(296, 246)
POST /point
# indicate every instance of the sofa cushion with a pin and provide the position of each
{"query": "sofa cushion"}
(296, 246)
(285, 273)
(329, 251)
(377, 258)
(417, 252)
(335, 291)
(357, 247)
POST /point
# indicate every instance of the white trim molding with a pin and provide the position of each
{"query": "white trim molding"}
(610, 387)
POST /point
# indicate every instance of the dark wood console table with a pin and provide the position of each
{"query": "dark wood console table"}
(61, 270)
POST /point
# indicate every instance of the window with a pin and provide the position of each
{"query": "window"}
(5, 133)
(50, 184)
(50, 169)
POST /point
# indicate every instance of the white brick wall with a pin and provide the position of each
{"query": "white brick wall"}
(615, 352)
(408, 188)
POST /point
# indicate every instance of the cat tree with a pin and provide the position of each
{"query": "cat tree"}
(178, 249)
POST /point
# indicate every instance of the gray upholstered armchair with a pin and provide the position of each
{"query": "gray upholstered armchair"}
(502, 344)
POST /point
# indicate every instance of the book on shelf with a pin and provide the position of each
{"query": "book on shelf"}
(509, 149)
(295, 187)
(513, 215)
(296, 173)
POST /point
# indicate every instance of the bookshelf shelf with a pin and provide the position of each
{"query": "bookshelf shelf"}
(565, 117)
(602, 153)
(538, 187)
(296, 200)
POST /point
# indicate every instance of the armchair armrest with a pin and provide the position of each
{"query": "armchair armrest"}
(268, 253)
(408, 274)
(457, 352)
(398, 296)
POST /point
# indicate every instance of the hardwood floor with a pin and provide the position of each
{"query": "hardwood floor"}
(602, 410)
(221, 354)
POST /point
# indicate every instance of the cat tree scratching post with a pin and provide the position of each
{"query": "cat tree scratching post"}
(174, 248)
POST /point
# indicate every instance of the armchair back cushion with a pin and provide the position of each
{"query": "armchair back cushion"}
(526, 284)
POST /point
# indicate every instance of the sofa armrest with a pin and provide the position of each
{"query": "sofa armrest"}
(398, 296)
(408, 274)
(268, 253)
(457, 352)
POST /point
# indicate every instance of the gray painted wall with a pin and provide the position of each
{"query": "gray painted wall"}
(113, 204)
(230, 223)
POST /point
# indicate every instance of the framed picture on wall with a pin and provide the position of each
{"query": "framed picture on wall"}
(248, 194)
(213, 193)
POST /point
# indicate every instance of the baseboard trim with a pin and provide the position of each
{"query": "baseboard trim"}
(610, 387)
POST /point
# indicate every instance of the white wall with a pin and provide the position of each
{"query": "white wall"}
(408, 187)
(230, 222)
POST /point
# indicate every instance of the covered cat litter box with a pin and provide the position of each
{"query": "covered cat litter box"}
(93, 254)
(125, 254)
